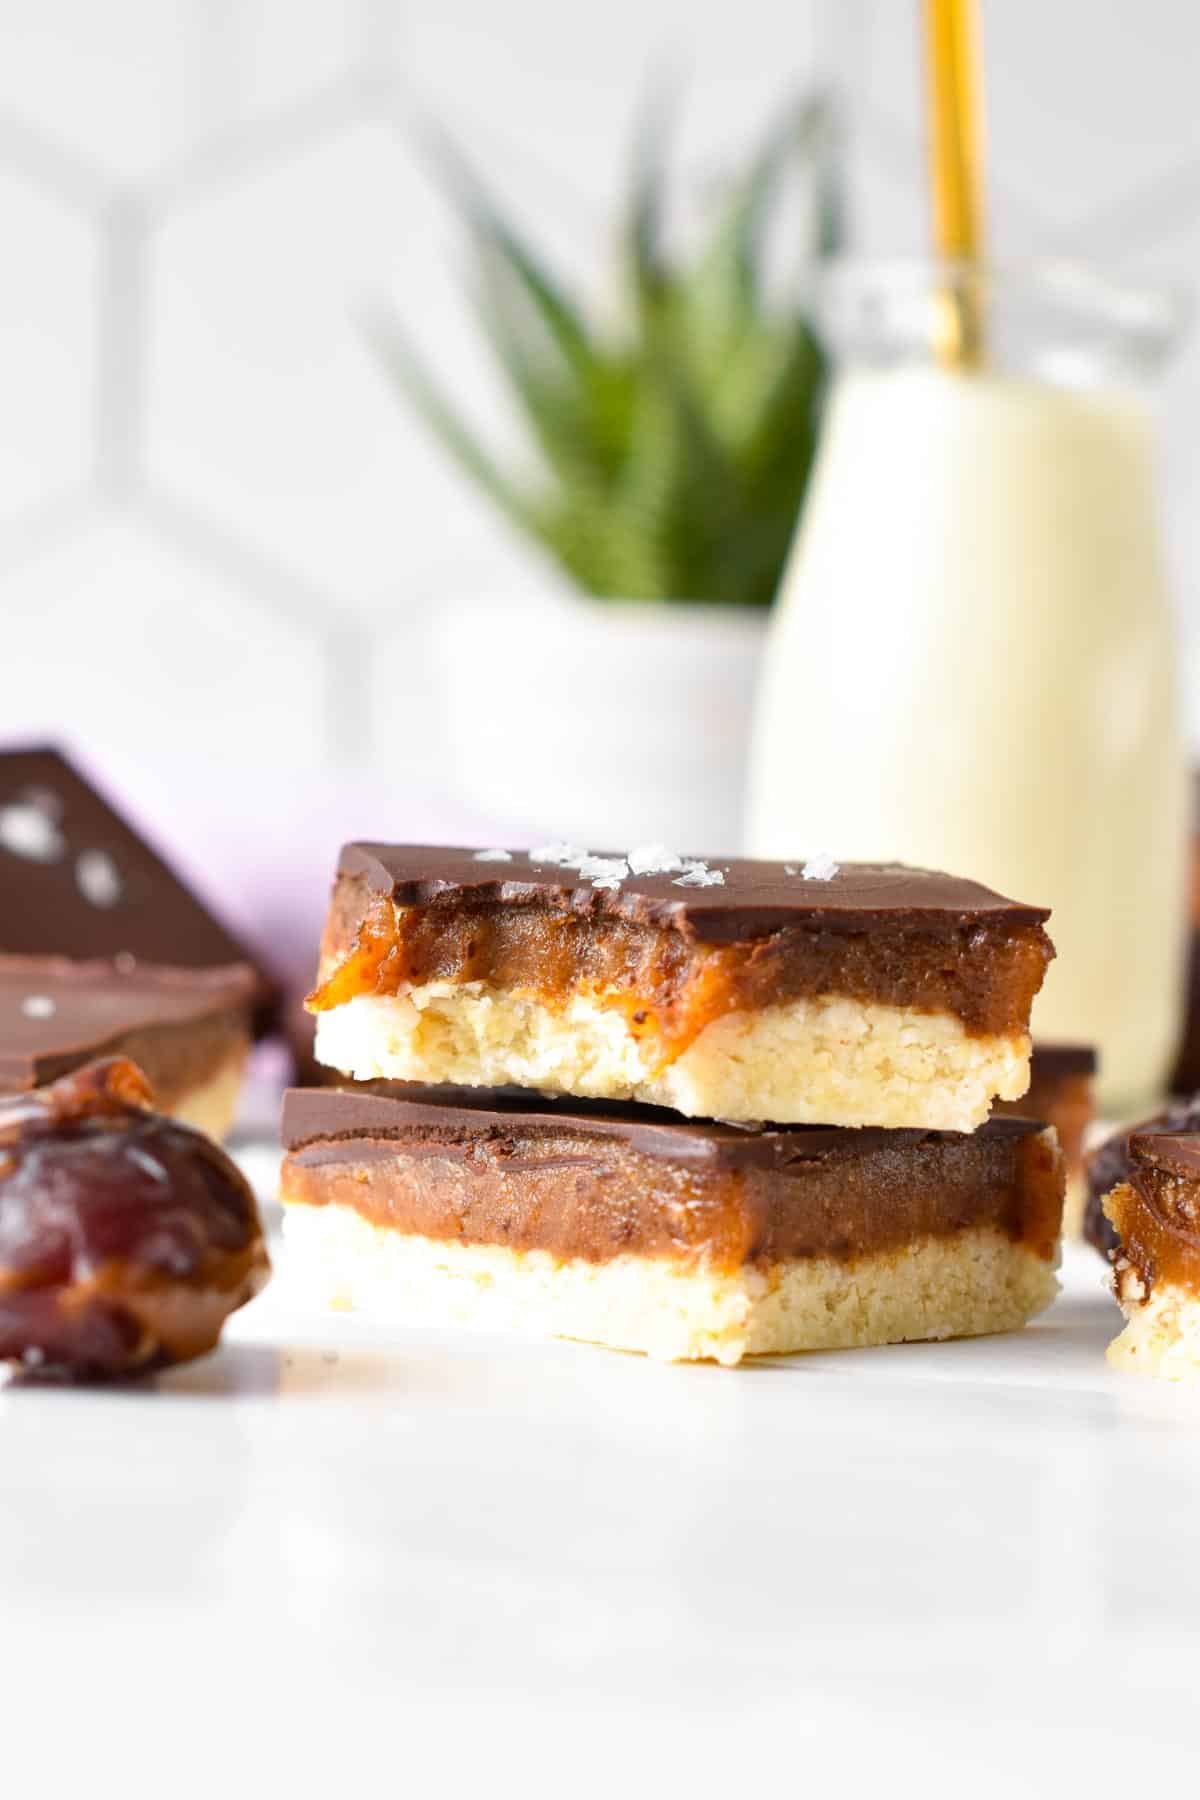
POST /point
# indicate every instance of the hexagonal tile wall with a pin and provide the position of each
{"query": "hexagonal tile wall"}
(196, 201)
(48, 313)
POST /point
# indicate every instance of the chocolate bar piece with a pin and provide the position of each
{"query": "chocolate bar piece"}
(860, 995)
(125, 1238)
(187, 1030)
(1061, 1093)
(1109, 1164)
(1155, 1211)
(77, 881)
(631, 1227)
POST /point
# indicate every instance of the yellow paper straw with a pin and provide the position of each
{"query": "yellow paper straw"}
(956, 170)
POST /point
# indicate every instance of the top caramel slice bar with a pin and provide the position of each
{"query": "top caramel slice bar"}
(881, 995)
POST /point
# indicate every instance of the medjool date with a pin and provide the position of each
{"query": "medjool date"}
(126, 1239)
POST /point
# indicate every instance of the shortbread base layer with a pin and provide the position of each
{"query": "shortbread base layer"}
(210, 1105)
(826, 1060)
(1162, 1330)
(966, 1285)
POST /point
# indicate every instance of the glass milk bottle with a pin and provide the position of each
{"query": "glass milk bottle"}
(972, 664)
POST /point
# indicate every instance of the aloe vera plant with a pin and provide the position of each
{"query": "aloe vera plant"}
(674, 445)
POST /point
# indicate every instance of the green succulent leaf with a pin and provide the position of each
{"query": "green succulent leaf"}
(674, 445)
(494, 235)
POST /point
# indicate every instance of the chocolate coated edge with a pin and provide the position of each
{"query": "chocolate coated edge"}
(24, 1073)
(769, 899)
(72, 1040)
(233, 983)
(1178, 1152)
(194, 928)
(1063, 1059)
(315, 1115)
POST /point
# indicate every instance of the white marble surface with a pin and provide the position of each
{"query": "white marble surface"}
(333, 1560)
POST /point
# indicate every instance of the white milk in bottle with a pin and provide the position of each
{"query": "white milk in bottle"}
(972, 667)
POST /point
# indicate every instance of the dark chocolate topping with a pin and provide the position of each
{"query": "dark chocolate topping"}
(1109, 1165)
(756, 897)
(1057, 1060)
(56, 1014)
(379, 1110)
(1178, 1152)
(77, 881)
(1156, 1211)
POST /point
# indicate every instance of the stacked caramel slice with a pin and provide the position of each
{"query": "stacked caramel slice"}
(696, 1109)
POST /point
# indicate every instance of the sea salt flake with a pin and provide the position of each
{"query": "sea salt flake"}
(98, 878)
(603, 868)
(699, 875)
(653, 859)
(38, 1006)
(45, 800)
(607, 881)
(790, 869)
(493, 856)
(562, 856)
(821, 866)
(26, 831)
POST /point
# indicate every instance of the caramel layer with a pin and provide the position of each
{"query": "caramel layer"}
(1156, 1210)
(1110, 1165)
(176, 1059)
(668, 978)
(592, 1188)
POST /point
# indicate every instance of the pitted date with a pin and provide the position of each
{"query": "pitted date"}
(126, 1239)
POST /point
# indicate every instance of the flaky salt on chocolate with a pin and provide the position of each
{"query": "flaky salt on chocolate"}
(76, 880)
(630, 1227)
(104, 949)
(863, 995)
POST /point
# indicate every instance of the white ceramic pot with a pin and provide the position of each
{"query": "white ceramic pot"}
(608, 723)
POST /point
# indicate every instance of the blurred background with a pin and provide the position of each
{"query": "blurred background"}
(209, 494)
(242, 579)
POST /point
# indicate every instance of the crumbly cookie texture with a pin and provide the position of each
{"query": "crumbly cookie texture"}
(974, 1282)
(1162, 1328)
(829, 1060)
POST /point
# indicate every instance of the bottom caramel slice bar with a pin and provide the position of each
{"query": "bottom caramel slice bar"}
(1062, 1079)
(630, 1227)
(1155, 1210)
